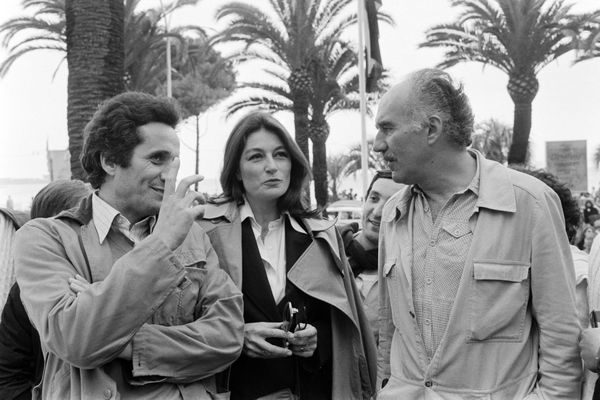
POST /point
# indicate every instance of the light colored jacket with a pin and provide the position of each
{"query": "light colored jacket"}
(182, 314)
(513, 330)
(323, 274)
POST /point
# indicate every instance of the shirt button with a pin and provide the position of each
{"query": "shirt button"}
(429, 280)
(107, 394)
(427, 321)
(428, 383)
(432, 242)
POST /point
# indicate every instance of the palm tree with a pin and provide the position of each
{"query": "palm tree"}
(144, 47)
(46, 27)
(519, 37)
(589, 44)
(336, 164)
(375, 161)
(95, 53)
(492, 138)
(296, 41)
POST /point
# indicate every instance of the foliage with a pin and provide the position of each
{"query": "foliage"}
(588, 41)
(519, 37)
(309, 69)
(336, 165)
(203, 78)
(492, 138)
(353, 160)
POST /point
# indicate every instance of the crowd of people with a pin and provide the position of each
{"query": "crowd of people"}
(461, 282)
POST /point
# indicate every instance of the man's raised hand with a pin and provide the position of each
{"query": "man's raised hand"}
(179, 207)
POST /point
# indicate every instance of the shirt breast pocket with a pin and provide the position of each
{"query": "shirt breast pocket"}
(391, 272)
(498, 302)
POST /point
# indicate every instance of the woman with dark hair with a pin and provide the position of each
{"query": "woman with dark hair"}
(306, 335)
(21, 360)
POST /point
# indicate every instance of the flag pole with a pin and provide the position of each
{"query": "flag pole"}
(362, 87)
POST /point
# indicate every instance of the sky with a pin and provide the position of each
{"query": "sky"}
(33, 105)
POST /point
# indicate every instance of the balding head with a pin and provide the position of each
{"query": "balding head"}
(430, 92)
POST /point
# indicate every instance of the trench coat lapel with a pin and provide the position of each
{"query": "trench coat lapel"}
(313, 274)
(99, 255)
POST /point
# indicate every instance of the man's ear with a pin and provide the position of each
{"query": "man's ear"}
(435, 128)
(108, 166)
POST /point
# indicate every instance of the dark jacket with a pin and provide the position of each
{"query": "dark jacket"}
(21, 359)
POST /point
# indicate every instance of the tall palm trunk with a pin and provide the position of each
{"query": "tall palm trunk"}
(95, 54)
(522, 124)
(522, 88)
(319, 131)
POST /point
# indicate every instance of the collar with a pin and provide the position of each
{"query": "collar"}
(230, 211)
(491, 184)
(246, 212)
(105, 216)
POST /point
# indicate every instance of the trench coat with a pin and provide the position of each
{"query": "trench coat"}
(322, 272)
(181, 313)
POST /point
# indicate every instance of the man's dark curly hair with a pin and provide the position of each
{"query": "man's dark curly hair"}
(569, 204)
(112, 131)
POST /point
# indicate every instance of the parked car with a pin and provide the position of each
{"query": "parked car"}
(345, 211)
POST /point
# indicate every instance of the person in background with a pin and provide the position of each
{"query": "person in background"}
(573, 218)
(361, 245)
(477, 281)
(124, 290)
(10, 221)
(286, 261)
(589, 210)
(21, 359)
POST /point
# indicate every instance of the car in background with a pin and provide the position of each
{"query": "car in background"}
(345, 211)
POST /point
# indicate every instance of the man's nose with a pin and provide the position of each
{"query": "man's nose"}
(379, 144)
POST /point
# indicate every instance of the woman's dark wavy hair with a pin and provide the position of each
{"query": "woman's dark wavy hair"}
(112, 131)
(569, 204)
(57, 196)
(293, 199)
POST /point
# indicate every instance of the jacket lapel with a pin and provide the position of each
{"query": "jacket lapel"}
(255, 284)
(99, 255)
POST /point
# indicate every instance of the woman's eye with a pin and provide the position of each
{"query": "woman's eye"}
(281, 154)
(255, 156)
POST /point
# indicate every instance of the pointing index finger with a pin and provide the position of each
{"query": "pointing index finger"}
(171, 177)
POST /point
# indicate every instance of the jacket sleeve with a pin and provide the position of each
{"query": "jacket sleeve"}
(386, 325)
(109, 313)
(554, 303)
(199, 349)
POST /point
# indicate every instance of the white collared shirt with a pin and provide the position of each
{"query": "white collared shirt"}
(106, 216)
(272, 248)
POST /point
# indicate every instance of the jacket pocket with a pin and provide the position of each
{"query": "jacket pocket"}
(498, 303)
(182, 305)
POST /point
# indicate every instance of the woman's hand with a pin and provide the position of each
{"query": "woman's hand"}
(78, 284)
(255, 344)
(304, 342)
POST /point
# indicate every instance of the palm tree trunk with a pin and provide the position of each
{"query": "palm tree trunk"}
(95, 53)
(319, 151)
(319, 132)
(521, 130)
(300, 109)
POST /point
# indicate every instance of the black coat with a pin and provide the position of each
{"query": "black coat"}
(21, 359)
